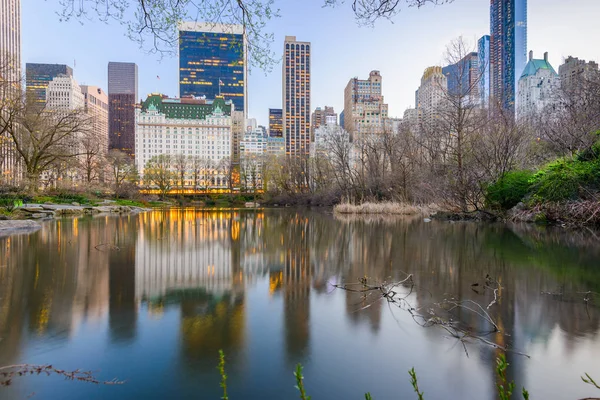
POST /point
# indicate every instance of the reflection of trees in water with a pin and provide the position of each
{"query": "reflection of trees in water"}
(209, 324)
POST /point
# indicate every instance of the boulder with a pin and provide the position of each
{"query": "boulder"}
(75, 204)
(11, 226)
(32, 209)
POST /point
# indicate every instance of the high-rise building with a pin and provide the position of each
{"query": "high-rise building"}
(508, 49)
(10, 72)
(122, 98)
(64, 93)
(575, 72)
(323, 116)
(432, 94)
(275, 122)
(296, 96)
(537, 86)
(483, 51)
(38, 76)
(463, 78)
(96, 107)
(10, 39)
(342, 119)
(364, 109)
(213, 62)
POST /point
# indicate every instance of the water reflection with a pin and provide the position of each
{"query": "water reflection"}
(203, 277)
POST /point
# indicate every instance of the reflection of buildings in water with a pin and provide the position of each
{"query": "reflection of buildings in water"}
(188, 249)
(296, 281)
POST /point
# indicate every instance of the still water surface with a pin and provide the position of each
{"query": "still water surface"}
(151, 299)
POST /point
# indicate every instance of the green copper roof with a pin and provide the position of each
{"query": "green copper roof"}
(533, 66)
(175, 109)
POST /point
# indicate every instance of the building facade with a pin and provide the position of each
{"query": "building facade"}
(483, 64)
(431, 96)
(122, 98)
(96, 107)
(508, 49)
(38, 76)
(64, 93)
(296, 96)
(275, 122)
(364, 109)
(10, 72)
(323, 116)
(213, 62)
(575, 73)
(463, 78)
(196, 128)
(537, 87)
(253, 151)
(275, 146)
(341, 123)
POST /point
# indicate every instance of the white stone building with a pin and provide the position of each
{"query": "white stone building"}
(431, 96)
(253, 150)
(537, 86)
(64, 93)
(197, 128)
(364, 109)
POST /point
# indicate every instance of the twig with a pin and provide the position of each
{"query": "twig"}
(9, 372)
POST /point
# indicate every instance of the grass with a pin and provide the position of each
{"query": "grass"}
(382, 208)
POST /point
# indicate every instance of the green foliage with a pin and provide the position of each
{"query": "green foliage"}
(590, 381)
(221, 369)
(10, 203)
(509, 190)
(368, 396)
(505, 388)
(563, 179)
(300, 382)
(131, 203)
(415, 383)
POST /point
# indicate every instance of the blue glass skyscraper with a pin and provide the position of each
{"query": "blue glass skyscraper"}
(212, 62)
(508, 49)
(483, 51)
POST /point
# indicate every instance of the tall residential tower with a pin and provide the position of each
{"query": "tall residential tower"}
(364, 109)
(483, 51)
(296, 96)
(213, 62)
(122, 97)
(508, 49)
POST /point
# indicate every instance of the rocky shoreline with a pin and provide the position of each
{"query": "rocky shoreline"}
(25, 218)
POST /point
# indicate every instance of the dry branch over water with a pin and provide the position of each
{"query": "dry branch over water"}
(442, 313)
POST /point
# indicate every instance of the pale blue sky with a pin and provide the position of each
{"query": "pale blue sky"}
(401, 51)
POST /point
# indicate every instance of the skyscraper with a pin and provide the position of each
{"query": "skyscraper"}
(463, 78)
(10, 71)
(96, 106)
(483, 51)
(364, 109)
(508, 49)
(38, 76)
(122, 97)
(213, 62)
(323, 116)
(275, 122)
(10, 38)
(296, 96)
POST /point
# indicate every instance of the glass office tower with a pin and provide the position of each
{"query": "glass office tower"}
(275, 122)
(508, 49)
(483, 51)
(213, 62)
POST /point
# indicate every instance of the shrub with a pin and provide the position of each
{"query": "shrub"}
(509, 190)
(563, 179)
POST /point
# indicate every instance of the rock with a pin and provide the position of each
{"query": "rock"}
(251, 204)
(11, 227)
(38, 215)
(426, 219)
(3, 218)
(48, 203)
(32, 209)
(75, 204)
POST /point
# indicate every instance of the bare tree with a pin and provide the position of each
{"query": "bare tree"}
(180, 164)
(122, 170)
(91, 159)
(42, 137)
(158, 172)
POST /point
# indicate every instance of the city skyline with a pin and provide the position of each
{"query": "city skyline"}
(546, 32)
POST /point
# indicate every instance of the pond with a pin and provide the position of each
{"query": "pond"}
(151, 298)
